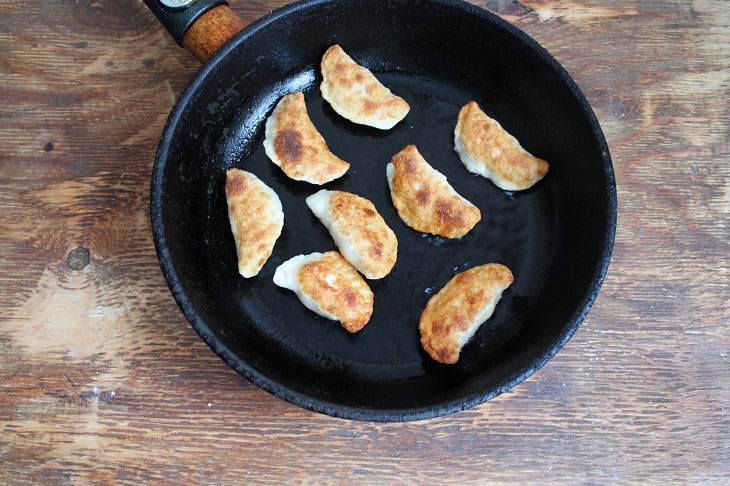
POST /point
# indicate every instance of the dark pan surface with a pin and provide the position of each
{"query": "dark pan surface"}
(556, 237)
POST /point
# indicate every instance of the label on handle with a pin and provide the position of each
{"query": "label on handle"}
(175, 4)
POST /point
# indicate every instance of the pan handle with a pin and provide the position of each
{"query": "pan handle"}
(201, 26)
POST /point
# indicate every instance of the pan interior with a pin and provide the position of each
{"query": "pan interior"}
(437, 56)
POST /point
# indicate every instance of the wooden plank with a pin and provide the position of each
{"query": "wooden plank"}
(103, 380)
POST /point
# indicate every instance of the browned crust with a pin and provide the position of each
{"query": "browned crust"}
(350, 299)
(301, 150)
(452, 310)
(358, 219)
(432, 207)
(483, 137)
(255, 235)
(342, 74)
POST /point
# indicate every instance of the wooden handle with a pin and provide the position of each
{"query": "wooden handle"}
(210, 31)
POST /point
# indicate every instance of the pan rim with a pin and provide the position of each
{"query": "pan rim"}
(335, 409)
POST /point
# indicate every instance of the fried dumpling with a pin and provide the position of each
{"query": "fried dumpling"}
(256, 218)
(328, 285)
(356, 94)
(360, 233)
(425, 200)
(487, 149)
(453, 315)
(294, 144)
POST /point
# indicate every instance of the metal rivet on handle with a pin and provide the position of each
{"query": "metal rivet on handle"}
(177, 3)
(78, 258)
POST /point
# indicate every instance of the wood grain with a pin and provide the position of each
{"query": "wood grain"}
(102, 380)
(211, 31)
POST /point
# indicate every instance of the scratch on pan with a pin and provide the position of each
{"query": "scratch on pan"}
(245, 75)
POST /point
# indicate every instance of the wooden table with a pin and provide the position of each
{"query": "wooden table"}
(102, 379)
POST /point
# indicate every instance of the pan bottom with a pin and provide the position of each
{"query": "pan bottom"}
(517, 229)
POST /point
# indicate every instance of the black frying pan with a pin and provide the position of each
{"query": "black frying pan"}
(556, 237)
